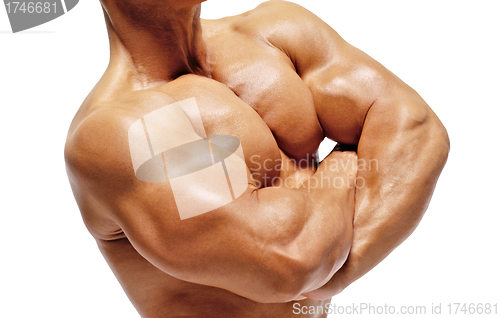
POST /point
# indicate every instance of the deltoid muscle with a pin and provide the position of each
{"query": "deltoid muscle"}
(205, 173)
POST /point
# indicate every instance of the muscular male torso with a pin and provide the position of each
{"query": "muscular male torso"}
(255, 94)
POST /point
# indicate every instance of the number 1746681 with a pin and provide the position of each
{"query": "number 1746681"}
(31, 7)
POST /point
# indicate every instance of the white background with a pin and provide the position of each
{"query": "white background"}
(447, 50)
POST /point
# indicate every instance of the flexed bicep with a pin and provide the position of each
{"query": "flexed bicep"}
(204, 172)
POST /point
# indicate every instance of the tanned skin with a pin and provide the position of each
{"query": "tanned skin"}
(280, 80)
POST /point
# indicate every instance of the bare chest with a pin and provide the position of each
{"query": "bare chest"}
(265, 78)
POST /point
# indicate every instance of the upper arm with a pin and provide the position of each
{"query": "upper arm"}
(344, 81)
(252, 243)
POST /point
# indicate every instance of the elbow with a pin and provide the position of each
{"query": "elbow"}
(419, 119)
(439, 139)
(445, 140)
(287, 279)
(286, 282)
(308, 272)
(313, 267)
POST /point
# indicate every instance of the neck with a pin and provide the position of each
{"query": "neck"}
(159, 45)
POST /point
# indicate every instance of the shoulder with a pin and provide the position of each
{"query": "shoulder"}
(97, 145)
(106, 146)
(267, 17)
(307, 40)
(96, 165)
(281, 9)
(281, 17)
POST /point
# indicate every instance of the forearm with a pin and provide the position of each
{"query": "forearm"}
(397, 191)
(401, 152)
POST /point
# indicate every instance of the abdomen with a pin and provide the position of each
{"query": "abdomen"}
(156, 294)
